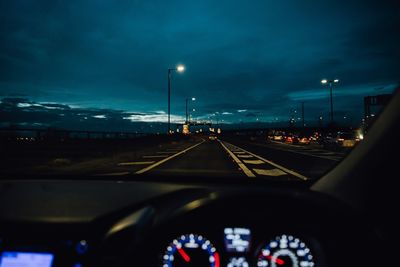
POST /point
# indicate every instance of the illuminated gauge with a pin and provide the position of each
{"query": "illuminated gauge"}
(191, 250)
(285, 251)
(237, 262)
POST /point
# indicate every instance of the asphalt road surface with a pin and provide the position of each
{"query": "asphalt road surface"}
(228, 157)
(233, 158)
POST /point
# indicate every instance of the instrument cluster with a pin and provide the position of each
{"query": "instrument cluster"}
(237, 247)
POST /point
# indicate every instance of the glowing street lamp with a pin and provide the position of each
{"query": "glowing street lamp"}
(187, 113)
(179, 68)
(330, 82)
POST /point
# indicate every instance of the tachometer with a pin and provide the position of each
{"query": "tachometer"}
(285, 251)
(191, 250)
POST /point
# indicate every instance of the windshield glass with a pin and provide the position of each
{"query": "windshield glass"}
(279, 90)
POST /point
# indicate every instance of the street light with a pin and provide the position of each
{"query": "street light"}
(191, 116)
(325, 81)
(187, 113)
(179, 68)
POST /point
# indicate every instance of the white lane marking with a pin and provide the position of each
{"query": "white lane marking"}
(299, 152)
(254, 161)
(273, 164)
(245, 156)
(112, 174)
(239, 152)
(166, 159)
(154, 156)
(135, 163)
(285, 144)
(271, 172)
(238, 162)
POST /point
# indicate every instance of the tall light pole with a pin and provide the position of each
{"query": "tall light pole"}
(179, 68)
(330, 82)
(187, 99)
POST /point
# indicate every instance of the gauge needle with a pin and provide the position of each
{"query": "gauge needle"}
(216, 257)
(276, 260)
(184, 255)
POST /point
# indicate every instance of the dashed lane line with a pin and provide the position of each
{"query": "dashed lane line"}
(272, 163)
(246, 170)
(304, 152)
(166, 159)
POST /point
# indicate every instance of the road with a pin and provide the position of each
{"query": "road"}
(231, 157)
(234, 157)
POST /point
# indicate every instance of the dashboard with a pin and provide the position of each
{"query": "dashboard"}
(165, 225)
(282, 250)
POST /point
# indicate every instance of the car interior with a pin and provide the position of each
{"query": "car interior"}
(346, 218)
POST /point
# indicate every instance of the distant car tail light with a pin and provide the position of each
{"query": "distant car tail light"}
(304, 140)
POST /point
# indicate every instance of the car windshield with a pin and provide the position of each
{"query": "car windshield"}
(232, 89)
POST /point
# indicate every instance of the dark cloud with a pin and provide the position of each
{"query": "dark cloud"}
(252, 114)
(240, 55)
(23, 113)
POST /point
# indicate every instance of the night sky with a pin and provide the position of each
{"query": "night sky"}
(75, 63)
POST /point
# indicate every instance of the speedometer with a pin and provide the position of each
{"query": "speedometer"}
(189, 251)
(285, 251)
